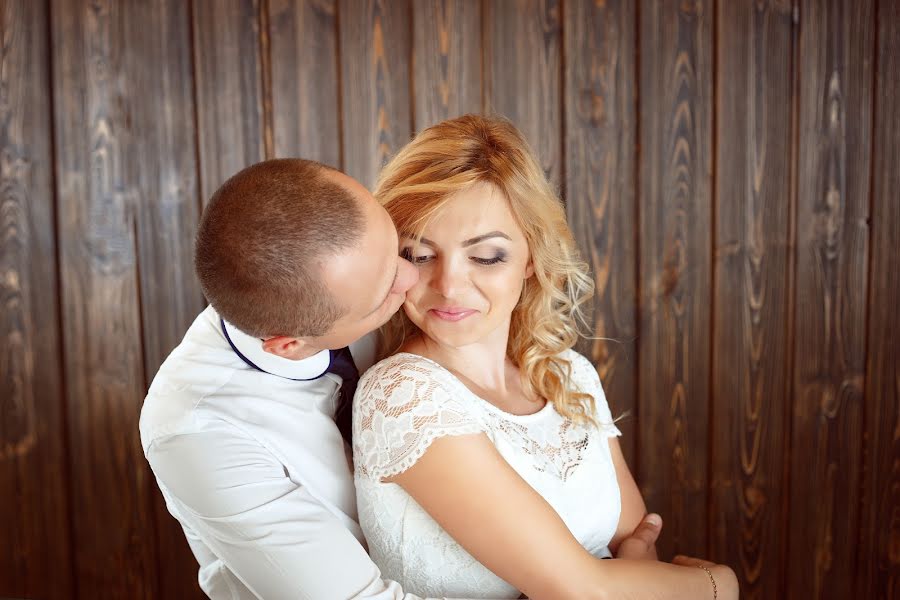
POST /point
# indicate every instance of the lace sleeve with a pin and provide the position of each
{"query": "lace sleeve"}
(401, 406)
(586, 379)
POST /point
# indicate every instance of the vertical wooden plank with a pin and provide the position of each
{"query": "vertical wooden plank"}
(375, 49)
(675, 222)
(522, 74)
(228, 80)
(446, 60)
(163, 173)
(600, 149)
(305, 79)
(97, 173)
(35, 558)
(836, 51)
(751, 328)
(878, 564)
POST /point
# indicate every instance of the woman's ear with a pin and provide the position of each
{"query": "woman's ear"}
(529, 269)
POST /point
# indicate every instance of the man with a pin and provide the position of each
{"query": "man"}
(298, 262)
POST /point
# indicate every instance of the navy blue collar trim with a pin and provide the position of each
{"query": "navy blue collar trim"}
(254, 366)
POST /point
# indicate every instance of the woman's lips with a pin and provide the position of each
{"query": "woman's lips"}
(452, 314)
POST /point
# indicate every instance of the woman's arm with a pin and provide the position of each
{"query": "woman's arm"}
(633, 507)
(473, 493)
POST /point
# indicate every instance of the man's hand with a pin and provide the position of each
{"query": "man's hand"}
(641, 544)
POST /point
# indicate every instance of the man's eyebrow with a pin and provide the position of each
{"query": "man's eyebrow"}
(471, 241)
(385, 296)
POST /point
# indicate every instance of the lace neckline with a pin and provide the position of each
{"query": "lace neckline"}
(548, 406)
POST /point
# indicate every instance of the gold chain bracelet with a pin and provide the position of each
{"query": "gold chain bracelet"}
(712, 581)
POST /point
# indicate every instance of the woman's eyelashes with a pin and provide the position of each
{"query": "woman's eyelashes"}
(498, 258)
(407, 254)
(421, 259)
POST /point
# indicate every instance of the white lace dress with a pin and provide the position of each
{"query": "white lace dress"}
(405, 402)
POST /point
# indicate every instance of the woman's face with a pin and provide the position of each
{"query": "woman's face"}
(473, 261)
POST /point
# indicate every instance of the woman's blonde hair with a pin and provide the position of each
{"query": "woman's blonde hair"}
(447, 158)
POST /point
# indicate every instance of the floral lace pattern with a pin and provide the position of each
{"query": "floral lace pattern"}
(404, 403)
(398, 413)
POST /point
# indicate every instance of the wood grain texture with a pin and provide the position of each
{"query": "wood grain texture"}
(751, 322)
(35, 558)
(446, 60)
(878, 552)
(97, 175)
(676, 48)
(835, 71)
(165, 193)
(306, 110)
(601, 150)
(375, 49)
(229, 95)
(522, 74)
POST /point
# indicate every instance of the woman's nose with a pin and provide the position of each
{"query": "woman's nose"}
(447, 278)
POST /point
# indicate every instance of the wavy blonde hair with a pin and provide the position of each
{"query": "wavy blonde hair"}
(455, 154)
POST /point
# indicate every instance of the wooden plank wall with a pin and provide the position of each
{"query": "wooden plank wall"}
(731, 171)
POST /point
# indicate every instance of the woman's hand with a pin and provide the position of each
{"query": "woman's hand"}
(726, 587)
(641, 544)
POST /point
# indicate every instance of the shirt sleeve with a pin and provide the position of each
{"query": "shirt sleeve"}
(401, 406)
(585, 379)
(270, 532)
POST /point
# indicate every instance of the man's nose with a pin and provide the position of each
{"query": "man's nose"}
(407, 277)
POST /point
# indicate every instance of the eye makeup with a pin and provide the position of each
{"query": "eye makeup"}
(500, 256)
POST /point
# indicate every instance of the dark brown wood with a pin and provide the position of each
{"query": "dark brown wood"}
(163, 178)
(835, 74)
(304, 79)
(98, 174)
(720, 174)
(35, 557)
(751, 328)
(375, 48)
(676, 48)
(600, 149)
(522, 74)
(878, 564)
(446, 60)
(229, 94)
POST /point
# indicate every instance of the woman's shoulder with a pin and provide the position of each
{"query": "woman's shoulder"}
(584, 378)
(406, 375)
(403, 363)
(583, 372)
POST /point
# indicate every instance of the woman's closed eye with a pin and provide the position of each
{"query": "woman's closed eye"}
(416, 259)
(421, 259)
(497, 258)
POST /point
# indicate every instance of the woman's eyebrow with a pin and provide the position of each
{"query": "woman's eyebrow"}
(471, 241)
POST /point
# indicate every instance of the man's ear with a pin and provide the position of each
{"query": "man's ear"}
(287, 347)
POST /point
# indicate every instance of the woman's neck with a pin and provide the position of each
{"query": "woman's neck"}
(483, 363)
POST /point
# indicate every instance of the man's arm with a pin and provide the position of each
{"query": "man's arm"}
(270, 532)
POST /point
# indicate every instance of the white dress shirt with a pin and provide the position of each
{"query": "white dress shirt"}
(252, 465)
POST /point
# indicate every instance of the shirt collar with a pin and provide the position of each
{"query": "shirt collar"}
(250, 349)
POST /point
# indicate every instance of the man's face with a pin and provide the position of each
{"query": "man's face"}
(370, 281)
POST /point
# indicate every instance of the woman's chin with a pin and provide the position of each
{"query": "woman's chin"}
(453, 339)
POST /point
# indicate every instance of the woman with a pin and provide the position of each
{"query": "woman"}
(486, 457)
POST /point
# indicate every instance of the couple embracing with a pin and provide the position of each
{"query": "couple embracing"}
(464, 442)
